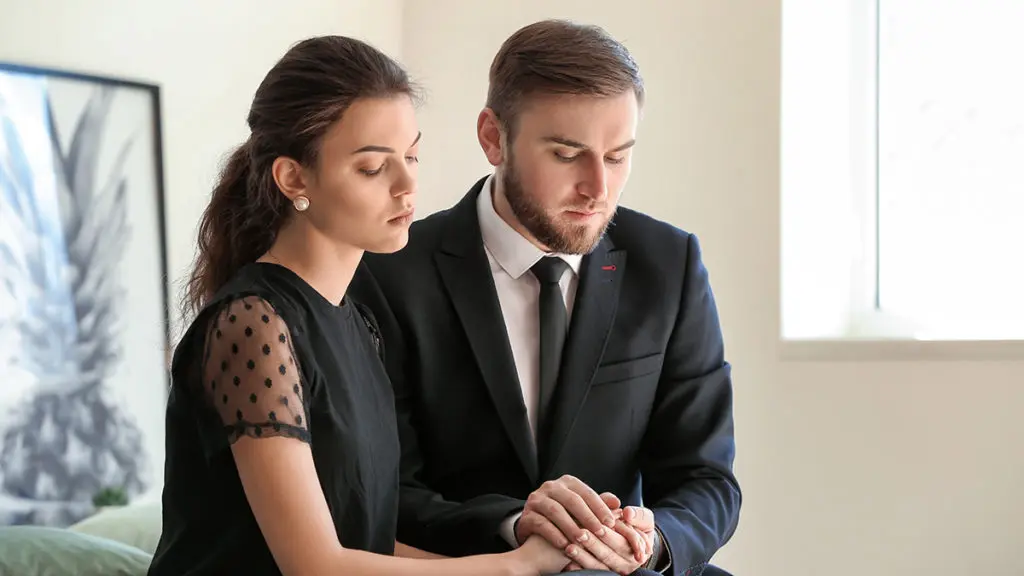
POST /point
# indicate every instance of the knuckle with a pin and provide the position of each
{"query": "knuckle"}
(546, 507)
(577, 501)
(555, 536)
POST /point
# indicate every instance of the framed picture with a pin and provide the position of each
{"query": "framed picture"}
(84, 329)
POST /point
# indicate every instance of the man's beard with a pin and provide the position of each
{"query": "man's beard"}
(561, 237)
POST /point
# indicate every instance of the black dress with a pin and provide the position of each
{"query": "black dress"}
(270, 356)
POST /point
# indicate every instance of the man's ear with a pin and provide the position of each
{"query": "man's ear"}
(491, 136)
(289, 177)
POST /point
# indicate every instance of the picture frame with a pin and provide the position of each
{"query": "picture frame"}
(84, 297)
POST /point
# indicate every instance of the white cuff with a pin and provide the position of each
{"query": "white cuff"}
(508, 529)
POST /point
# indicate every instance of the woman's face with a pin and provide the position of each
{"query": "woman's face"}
(362, 191)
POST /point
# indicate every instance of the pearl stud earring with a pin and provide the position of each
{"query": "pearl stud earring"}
(301, 203)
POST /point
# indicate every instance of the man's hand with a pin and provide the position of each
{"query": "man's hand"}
(590, 527)
(561, 509)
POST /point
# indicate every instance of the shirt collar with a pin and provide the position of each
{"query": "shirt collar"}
(514, 253)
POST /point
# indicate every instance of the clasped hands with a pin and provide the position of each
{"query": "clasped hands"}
(593, 530)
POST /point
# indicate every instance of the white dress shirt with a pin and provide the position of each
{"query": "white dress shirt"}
(511, 256)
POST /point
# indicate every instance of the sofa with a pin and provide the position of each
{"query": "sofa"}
(116, 541)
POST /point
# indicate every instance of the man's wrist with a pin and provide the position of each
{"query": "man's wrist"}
(508, 527)
(661, 557)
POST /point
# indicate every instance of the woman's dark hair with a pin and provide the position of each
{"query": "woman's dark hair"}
(302, 96)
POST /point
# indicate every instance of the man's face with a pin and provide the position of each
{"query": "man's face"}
(566, 165)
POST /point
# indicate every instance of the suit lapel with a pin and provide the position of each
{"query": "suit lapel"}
(466, 274)
(597, 298)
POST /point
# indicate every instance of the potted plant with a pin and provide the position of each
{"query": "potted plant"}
(109, 497)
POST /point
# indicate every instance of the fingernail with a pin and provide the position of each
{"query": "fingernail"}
(574, 552)
(583, 537)
(600, 532)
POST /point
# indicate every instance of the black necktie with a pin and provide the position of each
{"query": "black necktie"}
(553, 328)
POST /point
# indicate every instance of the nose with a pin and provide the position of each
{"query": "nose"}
(404, 184)
(594, 184)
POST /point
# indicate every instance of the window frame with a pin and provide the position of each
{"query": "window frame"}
(863, 329)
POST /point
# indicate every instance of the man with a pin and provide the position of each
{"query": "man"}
(554, 356)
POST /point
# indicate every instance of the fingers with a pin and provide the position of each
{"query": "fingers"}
(639, 546)
(582, 558)
(583, 503)
(611, 501)
(595, 503)
(638, 517)
(569, 505)
(555, 512)
(594, 554)
(531, 523)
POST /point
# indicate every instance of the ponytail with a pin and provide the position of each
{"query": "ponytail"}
(237, 227)
(302, 96)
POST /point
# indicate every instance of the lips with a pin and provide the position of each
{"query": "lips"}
(406, 214)
(584, 211)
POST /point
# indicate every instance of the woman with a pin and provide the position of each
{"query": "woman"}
(282, 446)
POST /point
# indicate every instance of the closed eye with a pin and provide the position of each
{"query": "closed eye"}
(609, 159)
(373, 172)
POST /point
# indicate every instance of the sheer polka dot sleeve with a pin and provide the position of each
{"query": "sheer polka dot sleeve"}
(250, 373)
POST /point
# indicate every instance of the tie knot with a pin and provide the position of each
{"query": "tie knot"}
(549, 269)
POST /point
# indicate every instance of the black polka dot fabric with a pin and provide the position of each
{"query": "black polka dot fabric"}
(250, 385)
(270, 357)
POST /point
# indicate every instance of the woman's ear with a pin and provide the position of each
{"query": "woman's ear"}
(289, 177)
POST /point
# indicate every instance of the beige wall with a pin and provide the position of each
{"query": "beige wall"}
(848, 468)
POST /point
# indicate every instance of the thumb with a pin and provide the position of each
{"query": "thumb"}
(640, 518)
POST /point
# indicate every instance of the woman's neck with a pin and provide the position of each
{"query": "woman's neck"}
(325, 265)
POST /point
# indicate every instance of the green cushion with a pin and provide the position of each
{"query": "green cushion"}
(43, 551)
(137, 525)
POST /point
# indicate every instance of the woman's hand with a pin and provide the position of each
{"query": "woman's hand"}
(611, 552)
(536, 557)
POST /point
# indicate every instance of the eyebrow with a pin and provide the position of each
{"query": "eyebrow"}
(581, 146)
(386, 149)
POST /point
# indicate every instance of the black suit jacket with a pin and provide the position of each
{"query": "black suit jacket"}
(643, 407)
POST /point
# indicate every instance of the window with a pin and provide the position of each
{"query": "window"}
(903, 169)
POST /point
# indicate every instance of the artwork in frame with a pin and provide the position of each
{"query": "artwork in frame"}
(83, 293)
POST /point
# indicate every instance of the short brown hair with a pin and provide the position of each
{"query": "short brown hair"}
(559, 57)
